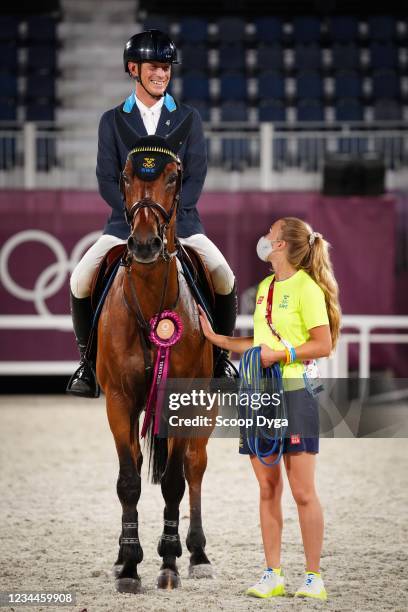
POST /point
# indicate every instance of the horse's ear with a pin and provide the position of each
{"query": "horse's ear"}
(179, 135)
(126, 133)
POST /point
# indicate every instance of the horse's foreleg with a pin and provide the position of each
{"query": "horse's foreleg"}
(195, 464)
(172, 486)
(125, 431)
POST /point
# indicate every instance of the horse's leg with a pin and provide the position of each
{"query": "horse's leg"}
(172, 486)
(124, 426)
(195, 463)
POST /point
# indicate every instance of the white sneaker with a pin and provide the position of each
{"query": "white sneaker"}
(271, 584)
(313, 586)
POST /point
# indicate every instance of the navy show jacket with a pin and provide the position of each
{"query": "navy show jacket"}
(112, 155)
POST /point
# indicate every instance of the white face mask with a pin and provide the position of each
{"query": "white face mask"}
(264, 248)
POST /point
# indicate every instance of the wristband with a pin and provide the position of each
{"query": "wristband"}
(292, 354)
(288, 356)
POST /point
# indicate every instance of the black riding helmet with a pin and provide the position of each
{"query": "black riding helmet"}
(150, 46)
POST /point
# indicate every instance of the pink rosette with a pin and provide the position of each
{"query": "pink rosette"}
(161, 366)
(178, 329)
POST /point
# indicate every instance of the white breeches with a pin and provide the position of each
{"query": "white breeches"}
(221, 274)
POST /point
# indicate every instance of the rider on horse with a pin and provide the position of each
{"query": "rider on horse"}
(148, 58)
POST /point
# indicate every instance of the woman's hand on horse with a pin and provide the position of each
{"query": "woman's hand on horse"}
(268, 356)
(205, 325)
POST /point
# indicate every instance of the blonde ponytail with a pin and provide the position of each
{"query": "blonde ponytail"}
(309, 250)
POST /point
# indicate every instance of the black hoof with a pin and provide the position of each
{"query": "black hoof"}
(116, 569)
(202, 570)
(168, 579)
(128, 585)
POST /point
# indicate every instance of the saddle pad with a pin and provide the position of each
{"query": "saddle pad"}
(103, 272)
(199, 271)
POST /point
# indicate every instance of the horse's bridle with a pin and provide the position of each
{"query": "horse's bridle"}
(157, 209)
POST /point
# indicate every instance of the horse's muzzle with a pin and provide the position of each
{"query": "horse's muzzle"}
(145, 252)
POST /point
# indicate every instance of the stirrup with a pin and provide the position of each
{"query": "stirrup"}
(83, 382)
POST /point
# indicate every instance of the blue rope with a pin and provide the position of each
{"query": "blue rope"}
(252, 380)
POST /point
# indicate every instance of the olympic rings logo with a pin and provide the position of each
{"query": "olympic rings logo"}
(52, 278)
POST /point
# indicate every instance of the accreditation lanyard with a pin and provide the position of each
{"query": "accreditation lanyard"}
(268, 316)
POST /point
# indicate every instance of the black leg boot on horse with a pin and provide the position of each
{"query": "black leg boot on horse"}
(83, 382)
(225, 315)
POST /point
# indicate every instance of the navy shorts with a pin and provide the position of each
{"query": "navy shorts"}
(303, 416)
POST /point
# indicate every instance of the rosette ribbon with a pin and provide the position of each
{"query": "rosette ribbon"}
(161, 326)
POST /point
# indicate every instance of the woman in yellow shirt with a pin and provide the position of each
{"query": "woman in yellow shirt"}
(305, 314)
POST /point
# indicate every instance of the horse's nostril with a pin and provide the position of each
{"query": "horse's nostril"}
(156, 243)
(130, 242)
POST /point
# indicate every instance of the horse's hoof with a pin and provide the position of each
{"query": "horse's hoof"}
(116, 569)
(168, 579)
(202, 570)
(128, 585)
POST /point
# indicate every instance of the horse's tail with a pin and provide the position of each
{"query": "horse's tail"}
(157, 455)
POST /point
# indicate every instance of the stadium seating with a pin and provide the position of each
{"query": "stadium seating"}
(343, 28)
(193, 30)
(382, 27)
(231, 57)
(235, 151)
(8, 56)
(195, 57)
(156, 22)
(309, 84)
(196, 86)
(231, 29)
(347, 84)
(310, 110)
(270, 57)
(8, 27)
(387, 110)
(275, 68)
(7, 110)
(383, 55)
(271, 84)
(40, 28)
(233, 86)
(386, 84)
(269, 30)
(345, 56)
(348, 109)
(272, 110)
(306, 29)
(308, 57)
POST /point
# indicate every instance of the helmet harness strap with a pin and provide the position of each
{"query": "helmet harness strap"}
(138, 79)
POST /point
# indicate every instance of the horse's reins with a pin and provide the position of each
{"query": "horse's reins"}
(167, 256)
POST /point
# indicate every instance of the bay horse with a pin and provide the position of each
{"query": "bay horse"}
(148, 284)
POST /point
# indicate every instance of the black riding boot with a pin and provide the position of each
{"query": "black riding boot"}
(226, 308)
(83, 382)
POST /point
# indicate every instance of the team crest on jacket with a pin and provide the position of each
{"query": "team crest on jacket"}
(260, 299)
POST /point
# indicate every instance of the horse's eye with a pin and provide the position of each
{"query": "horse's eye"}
(125, 179)
(171, 179)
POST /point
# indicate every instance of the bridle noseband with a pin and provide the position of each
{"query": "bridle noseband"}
(159, 211)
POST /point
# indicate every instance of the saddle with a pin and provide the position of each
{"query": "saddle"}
(194, 270)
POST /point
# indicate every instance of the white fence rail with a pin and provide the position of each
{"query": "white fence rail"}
(337, 366)
(46, 156)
